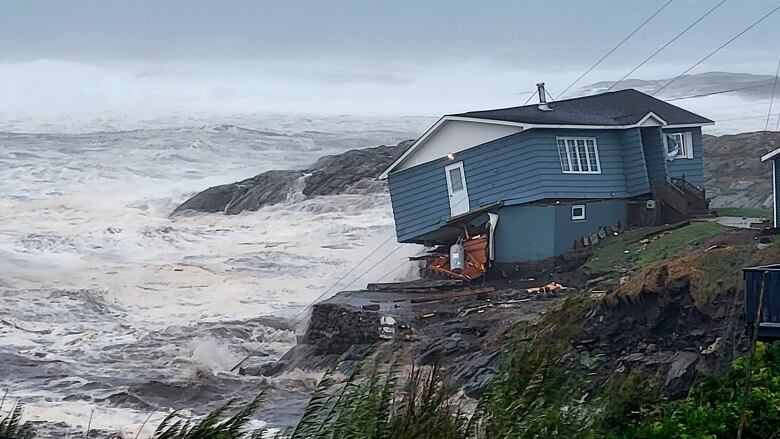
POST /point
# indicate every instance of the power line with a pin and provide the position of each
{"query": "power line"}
(684, 31)
(300, 313)
(755, 23)
(615, 48)
(777, 127)
(701, 95)
(529, 99)
(772, 99)
(549, 95)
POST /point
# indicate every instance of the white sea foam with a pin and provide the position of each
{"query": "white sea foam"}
(106, 303)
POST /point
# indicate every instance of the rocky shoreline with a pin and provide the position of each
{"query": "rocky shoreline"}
(351, 172)
(730, 183)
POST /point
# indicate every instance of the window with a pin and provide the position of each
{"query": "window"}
(578, 212)
(679, 145)
(579, 155)
(456, 179)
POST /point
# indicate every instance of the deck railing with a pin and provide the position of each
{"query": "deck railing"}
(696, 196)
(671, 195)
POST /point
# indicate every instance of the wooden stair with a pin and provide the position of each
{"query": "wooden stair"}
(685, 198)
(695, 196)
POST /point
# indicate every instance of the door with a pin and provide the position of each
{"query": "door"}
(456, 186)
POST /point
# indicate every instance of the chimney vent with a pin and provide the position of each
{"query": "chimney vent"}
(542, 97)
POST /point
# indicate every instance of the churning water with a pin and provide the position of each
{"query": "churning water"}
(107, 304)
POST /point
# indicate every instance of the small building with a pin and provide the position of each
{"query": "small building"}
(774, 156)
(550, 175)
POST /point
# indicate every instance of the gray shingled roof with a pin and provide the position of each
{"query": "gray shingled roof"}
(624, 107)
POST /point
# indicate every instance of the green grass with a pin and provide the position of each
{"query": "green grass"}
(619, 253)
(744, 212)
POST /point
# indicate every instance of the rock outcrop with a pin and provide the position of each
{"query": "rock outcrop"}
(354, 171)
(733, 171)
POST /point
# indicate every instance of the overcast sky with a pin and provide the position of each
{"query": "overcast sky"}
(395, 57)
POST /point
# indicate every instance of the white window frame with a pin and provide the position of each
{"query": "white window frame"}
(577, 217)
(576, 158)
(686, 144)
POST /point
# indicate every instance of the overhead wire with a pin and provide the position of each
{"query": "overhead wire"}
(718, 49)
(701, 95)
(772, 98)
(614, 48)
(676, 37)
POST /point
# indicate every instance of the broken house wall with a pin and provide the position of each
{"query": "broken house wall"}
(655, 154)
(692, 169)
(637, 181)
(531, 232)
(518, 168)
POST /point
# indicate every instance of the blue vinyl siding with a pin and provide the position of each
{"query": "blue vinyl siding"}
(691, 169)
(525, 233)
(519, 168)
(776, 189)
(655, 155)
(533, 232)
(637, 181)
(597, 215)
(525, 167)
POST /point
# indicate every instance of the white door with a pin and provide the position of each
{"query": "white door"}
(456, 186)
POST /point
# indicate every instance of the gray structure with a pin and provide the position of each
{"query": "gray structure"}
(774, 156)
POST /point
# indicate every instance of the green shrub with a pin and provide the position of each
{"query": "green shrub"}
(712, 409)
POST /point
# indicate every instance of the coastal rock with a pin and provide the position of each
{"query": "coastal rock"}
(734, 174)
(354, 171)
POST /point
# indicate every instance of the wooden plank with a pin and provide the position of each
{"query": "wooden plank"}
(453, 294)
(661, 229)
(414, 286)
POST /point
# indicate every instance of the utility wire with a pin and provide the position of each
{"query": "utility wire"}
(742, 32)
(529, 98)
(684, 31)
(701, 95)
(772, 99)
(777, 128)
(301, 312)
(549, 95)
(647, 20)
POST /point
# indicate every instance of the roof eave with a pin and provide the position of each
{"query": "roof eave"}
(770, 155)
(526, 126)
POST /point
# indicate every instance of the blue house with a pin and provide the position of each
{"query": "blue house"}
(550, 173)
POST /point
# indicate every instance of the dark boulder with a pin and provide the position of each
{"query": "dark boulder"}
(354, 171)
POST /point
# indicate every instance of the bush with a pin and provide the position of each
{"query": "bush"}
(712, 410)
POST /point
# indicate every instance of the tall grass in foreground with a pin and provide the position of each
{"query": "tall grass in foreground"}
(12, 427)
(526, 403)
(376, 406)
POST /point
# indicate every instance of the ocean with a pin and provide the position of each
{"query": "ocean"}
(110, 308)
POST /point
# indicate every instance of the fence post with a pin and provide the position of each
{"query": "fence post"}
(753, 339)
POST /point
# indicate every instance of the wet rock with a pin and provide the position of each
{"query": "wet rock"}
(354, 171)
(681, 374)
(269, 368)
(736, 182)
(335, 327)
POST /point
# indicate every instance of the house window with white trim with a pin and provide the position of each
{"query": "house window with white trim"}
(679, 145)
(577, 212)
(579, 155)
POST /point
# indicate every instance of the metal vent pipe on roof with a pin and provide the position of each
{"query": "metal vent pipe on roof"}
(542, 97)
